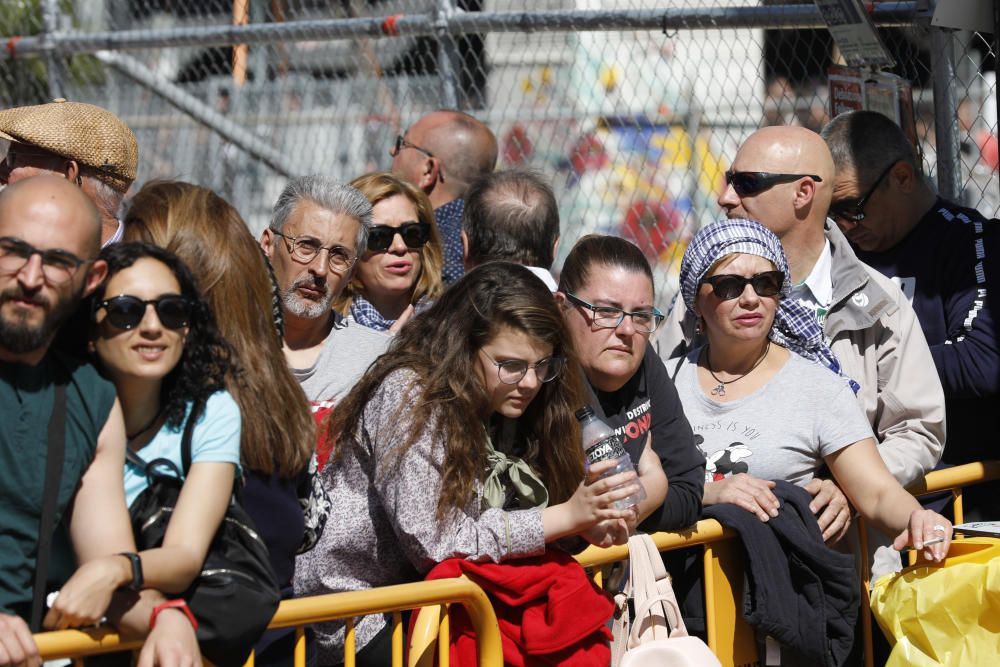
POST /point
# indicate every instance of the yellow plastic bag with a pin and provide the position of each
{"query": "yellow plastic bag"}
(945, 614)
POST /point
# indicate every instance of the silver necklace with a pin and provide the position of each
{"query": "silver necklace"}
(720, 389)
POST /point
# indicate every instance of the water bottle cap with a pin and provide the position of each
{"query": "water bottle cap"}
(584, 412)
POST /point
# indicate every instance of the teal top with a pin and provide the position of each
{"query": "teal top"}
(26, 397)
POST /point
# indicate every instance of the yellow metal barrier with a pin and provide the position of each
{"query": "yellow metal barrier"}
(305, 611)
(728, 635)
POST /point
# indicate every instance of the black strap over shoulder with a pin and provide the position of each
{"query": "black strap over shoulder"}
(50, 496)
(196, 411)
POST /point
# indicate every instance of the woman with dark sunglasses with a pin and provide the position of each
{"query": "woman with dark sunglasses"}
(459, 442)
(761, 396)
(606, 296)
(155, 338)
(400, 271)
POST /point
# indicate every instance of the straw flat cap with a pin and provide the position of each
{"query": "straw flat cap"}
(92, 136)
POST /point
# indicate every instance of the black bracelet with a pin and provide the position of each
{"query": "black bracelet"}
(137, 579)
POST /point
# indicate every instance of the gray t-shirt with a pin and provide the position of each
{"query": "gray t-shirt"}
(782, 431)
(346, 354)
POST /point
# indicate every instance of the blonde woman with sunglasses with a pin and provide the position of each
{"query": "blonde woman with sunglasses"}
(400, 270)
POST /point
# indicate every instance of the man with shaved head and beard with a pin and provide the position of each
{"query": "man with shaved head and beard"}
(62, 444)
(442, 153)
(783, 177)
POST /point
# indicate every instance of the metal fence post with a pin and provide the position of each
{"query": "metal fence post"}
(446, 53)
(945, 120)
(50, 24)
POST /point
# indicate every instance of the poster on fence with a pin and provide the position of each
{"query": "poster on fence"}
(853, 89)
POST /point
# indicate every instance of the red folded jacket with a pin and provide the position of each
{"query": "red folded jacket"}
(549, 612)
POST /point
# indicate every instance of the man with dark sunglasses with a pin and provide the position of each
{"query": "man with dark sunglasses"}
(318, 230)
(442, 153)
(943, 255)
(512, 215)
(867, 321)
(62, 444)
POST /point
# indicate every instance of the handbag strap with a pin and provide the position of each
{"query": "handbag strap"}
(650, 585)
(196, 411)
(50, 496)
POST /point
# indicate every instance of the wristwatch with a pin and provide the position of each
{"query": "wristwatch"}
(137, 578)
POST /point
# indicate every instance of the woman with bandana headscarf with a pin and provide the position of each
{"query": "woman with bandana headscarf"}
(767, 398)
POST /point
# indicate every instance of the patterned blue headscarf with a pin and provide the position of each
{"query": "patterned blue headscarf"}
(795, 325)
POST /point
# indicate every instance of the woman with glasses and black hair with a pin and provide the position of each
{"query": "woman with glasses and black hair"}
(155, 338)
(606, 297)
(460, 441)
(761, 396)
(400, 269)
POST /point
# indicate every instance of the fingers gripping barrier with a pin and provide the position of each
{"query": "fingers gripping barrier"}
(728, 635)
(305, 611)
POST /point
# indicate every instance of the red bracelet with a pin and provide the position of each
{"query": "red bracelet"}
(180, 604)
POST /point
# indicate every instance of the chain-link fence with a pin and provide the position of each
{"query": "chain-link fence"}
(632, 108)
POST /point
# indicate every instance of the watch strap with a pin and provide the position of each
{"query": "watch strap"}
(137, 578)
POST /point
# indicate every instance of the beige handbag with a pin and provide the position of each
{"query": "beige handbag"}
(656, 635)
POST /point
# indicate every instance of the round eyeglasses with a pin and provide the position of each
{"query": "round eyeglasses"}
(609, 317)
(304, 249)
(513, 371)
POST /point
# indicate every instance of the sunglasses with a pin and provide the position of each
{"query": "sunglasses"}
(125, 311)
(750, 183)
(727, 286)
(414, 235)
(853, 211)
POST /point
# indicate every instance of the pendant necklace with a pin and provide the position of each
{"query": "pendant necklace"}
(720, 389)
(133, 436)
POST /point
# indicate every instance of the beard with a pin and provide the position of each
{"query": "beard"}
(306, 308)
(18, 335)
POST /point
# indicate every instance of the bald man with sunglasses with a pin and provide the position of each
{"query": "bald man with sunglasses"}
(783, 177)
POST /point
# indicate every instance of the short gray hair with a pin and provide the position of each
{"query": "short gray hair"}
(106, 198)
(328, 194)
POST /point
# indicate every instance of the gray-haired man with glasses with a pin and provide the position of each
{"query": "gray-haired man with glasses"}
(318, 229)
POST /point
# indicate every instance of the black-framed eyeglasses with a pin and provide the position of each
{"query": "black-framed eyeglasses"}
(414, 235)
(728, 286)
(750, 183)
(853, 210)
(304, 249)
(402, 143)
(126, 311)
(58, 266)
(513, 371)
(609, 317)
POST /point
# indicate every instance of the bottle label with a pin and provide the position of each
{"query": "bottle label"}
(611, 447)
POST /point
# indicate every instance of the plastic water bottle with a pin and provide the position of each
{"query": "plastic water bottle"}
(600, 443)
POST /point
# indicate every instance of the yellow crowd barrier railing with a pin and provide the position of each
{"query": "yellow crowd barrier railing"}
(728, 635)
(300, 612)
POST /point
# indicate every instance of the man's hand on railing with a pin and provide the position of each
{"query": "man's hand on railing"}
(171, 642)
(832, 510)
(17, 646)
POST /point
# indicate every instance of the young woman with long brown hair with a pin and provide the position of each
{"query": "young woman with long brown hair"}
(460, 441)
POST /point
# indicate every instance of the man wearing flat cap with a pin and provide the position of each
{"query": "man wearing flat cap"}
(86, 144)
